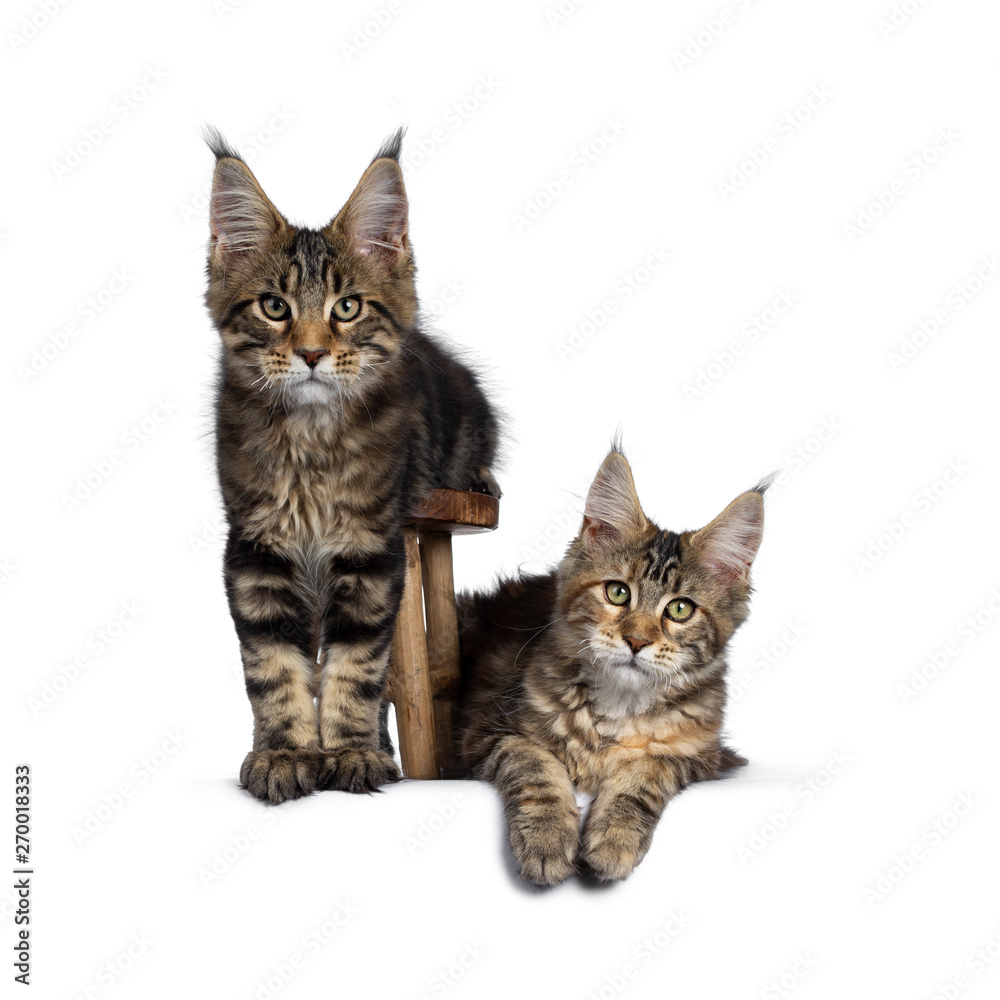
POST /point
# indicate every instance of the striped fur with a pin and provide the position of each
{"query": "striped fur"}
(565, 691)
(330, 426)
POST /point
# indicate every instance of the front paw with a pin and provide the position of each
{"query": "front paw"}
(356, 769)
(611, 852)
(545, 847)
(487, 484)
(277, 775)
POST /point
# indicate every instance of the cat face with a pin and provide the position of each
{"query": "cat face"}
(653, 609)
(310, 316)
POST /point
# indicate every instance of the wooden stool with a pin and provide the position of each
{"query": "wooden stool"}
(424, 674)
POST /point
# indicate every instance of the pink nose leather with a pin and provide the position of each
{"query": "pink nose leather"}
(635, 643)
(311, 358)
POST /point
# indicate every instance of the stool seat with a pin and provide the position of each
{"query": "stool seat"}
(424, 675)
(456, 512)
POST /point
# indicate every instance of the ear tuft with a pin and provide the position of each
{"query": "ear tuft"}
(765, 484)
(612, 510)
(218, 143)
(392, 146)
(728, 545)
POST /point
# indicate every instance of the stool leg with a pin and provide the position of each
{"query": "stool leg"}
(410, 683)
(442, 639)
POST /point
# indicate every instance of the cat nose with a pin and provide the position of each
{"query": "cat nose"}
(635, 643)
(311, 358)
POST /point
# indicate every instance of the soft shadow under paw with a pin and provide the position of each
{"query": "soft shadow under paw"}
(544, 871)
(608, 861)
(590, 880)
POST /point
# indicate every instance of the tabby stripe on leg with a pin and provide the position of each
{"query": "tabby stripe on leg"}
(353, 680)
(543, 819)
(279, 686)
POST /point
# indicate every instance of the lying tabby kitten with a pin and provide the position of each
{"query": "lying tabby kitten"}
(607, 676)
(335, 414)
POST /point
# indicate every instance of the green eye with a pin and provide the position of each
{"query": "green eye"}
(680, 609)
(347, 308)
(617, 593)
(274, 307)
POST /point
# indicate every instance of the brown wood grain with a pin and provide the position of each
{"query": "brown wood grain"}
(410, 682)
(456, 512)
(424, 675)
(442, 638)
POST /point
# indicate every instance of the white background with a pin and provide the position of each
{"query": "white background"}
(857, 855)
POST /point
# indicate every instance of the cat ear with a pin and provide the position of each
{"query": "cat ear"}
(375, 219)
(612, 510)
(240, 215)
(728, 545)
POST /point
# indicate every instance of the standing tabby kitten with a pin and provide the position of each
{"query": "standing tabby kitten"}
(335, 414)
(606, 676)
